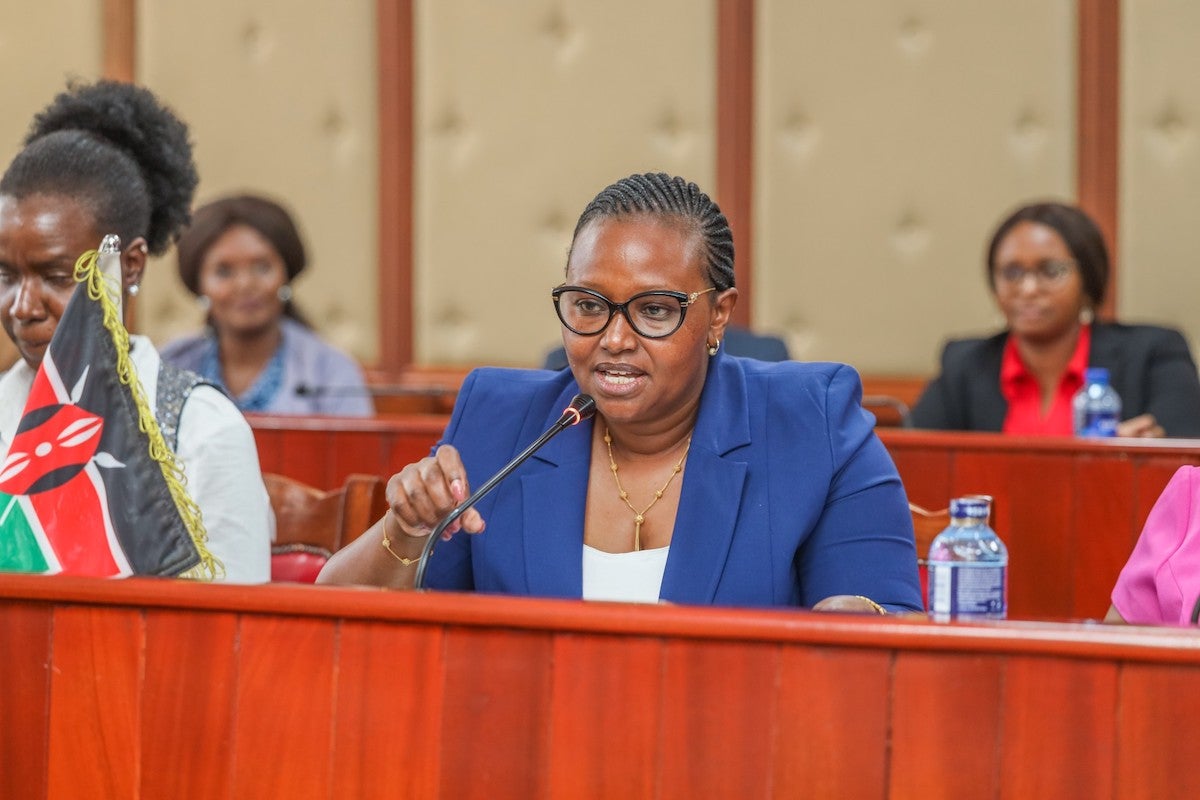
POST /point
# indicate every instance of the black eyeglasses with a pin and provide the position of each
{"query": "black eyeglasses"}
(1046, 273)
(651, 314)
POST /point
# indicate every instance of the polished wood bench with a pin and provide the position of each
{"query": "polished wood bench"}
(159, 688)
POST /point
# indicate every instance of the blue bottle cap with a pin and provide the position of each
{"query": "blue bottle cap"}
(968, 508)
(1095, 375)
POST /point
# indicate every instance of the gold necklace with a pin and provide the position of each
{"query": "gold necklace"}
(640, 516)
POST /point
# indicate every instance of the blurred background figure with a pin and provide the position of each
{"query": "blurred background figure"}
(239, 257)
(1048, 270)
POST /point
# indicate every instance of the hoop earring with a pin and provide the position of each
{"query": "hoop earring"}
(285, 293)
(713, 348)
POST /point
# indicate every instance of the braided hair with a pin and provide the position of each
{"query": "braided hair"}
(656, 194)
(115, 148)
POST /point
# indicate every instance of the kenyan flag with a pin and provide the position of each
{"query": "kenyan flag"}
(88, 486)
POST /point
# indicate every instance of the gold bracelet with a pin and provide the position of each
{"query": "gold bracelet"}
(387, 545)
(878, 608)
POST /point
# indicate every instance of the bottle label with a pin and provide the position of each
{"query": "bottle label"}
(1098, 423)
(963, 590)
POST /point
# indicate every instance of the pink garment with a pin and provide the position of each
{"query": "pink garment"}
(1161, 580)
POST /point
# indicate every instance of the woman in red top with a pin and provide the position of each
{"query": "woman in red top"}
(1048, 269)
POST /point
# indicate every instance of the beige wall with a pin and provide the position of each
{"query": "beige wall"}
(889, 144)
(1160, 165)
(524, 112)
(282, 102)
(35, 71)
(890, 138)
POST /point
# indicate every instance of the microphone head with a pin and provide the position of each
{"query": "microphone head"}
(581, 408)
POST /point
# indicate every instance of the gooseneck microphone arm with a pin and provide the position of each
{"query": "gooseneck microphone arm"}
(582, 407)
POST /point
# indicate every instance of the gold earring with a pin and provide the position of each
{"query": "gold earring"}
(713, 348)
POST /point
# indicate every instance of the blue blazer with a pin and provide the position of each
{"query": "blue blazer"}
(788, 496)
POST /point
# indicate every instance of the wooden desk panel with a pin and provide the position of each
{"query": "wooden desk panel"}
(315, 692)
(1069, 510)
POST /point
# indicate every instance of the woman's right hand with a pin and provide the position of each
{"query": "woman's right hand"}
(423, 493)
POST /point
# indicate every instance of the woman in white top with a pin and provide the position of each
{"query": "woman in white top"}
(108, 158)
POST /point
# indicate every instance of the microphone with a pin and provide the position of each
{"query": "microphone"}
(582, 407)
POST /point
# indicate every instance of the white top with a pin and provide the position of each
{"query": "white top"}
(219, 457)
(634, 577)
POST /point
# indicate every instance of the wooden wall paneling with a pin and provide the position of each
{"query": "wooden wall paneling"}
(945, 725)
(735, 139)
(396, 91)
(497, 703)
(390, 683)
(1059, 754)
(833, 722)
(716, 735)
(606, 714)
(307, 455)
(1102, 503)
(120, 40)
(926, 475)
(1098, 126)
(187, 705)
(95, 686)
(1158, 741)
(1034, 517)
(25, 658)
(359, 451)
(270, 450)
(283, 743)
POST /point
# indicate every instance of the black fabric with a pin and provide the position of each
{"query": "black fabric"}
(1150, 367)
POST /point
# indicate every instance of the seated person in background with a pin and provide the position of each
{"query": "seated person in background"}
(704, 478)
(738, 342)
(239, 257)
(108, 158)
(1047, 267)
(1160, 583)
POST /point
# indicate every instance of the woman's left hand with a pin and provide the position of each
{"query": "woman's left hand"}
(849, 604)
(1141, 427)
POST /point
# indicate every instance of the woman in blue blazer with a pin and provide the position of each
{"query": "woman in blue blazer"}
(703, 478)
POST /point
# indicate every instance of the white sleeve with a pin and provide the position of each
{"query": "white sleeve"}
(220, 459)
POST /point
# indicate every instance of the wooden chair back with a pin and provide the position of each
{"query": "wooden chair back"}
(312, 524)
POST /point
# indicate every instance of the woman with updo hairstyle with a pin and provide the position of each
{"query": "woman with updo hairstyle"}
(108, 158)
(1047, 268)
(239, 257)
(703, 477)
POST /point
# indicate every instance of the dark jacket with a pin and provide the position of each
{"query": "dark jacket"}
(1150, 367)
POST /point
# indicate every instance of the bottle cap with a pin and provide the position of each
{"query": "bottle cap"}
(1095, 375)
(968, 508)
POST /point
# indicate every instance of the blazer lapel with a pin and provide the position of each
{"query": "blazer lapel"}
(713, 481)
(553, 499)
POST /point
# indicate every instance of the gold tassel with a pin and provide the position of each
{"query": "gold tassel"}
(101, 289)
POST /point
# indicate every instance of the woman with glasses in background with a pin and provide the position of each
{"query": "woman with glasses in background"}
(1048, 269)
(703, 478)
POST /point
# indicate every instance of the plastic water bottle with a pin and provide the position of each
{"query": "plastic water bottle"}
(968, 565)
(1096, 407)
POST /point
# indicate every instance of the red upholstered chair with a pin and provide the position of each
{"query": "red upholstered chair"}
(312, 524)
